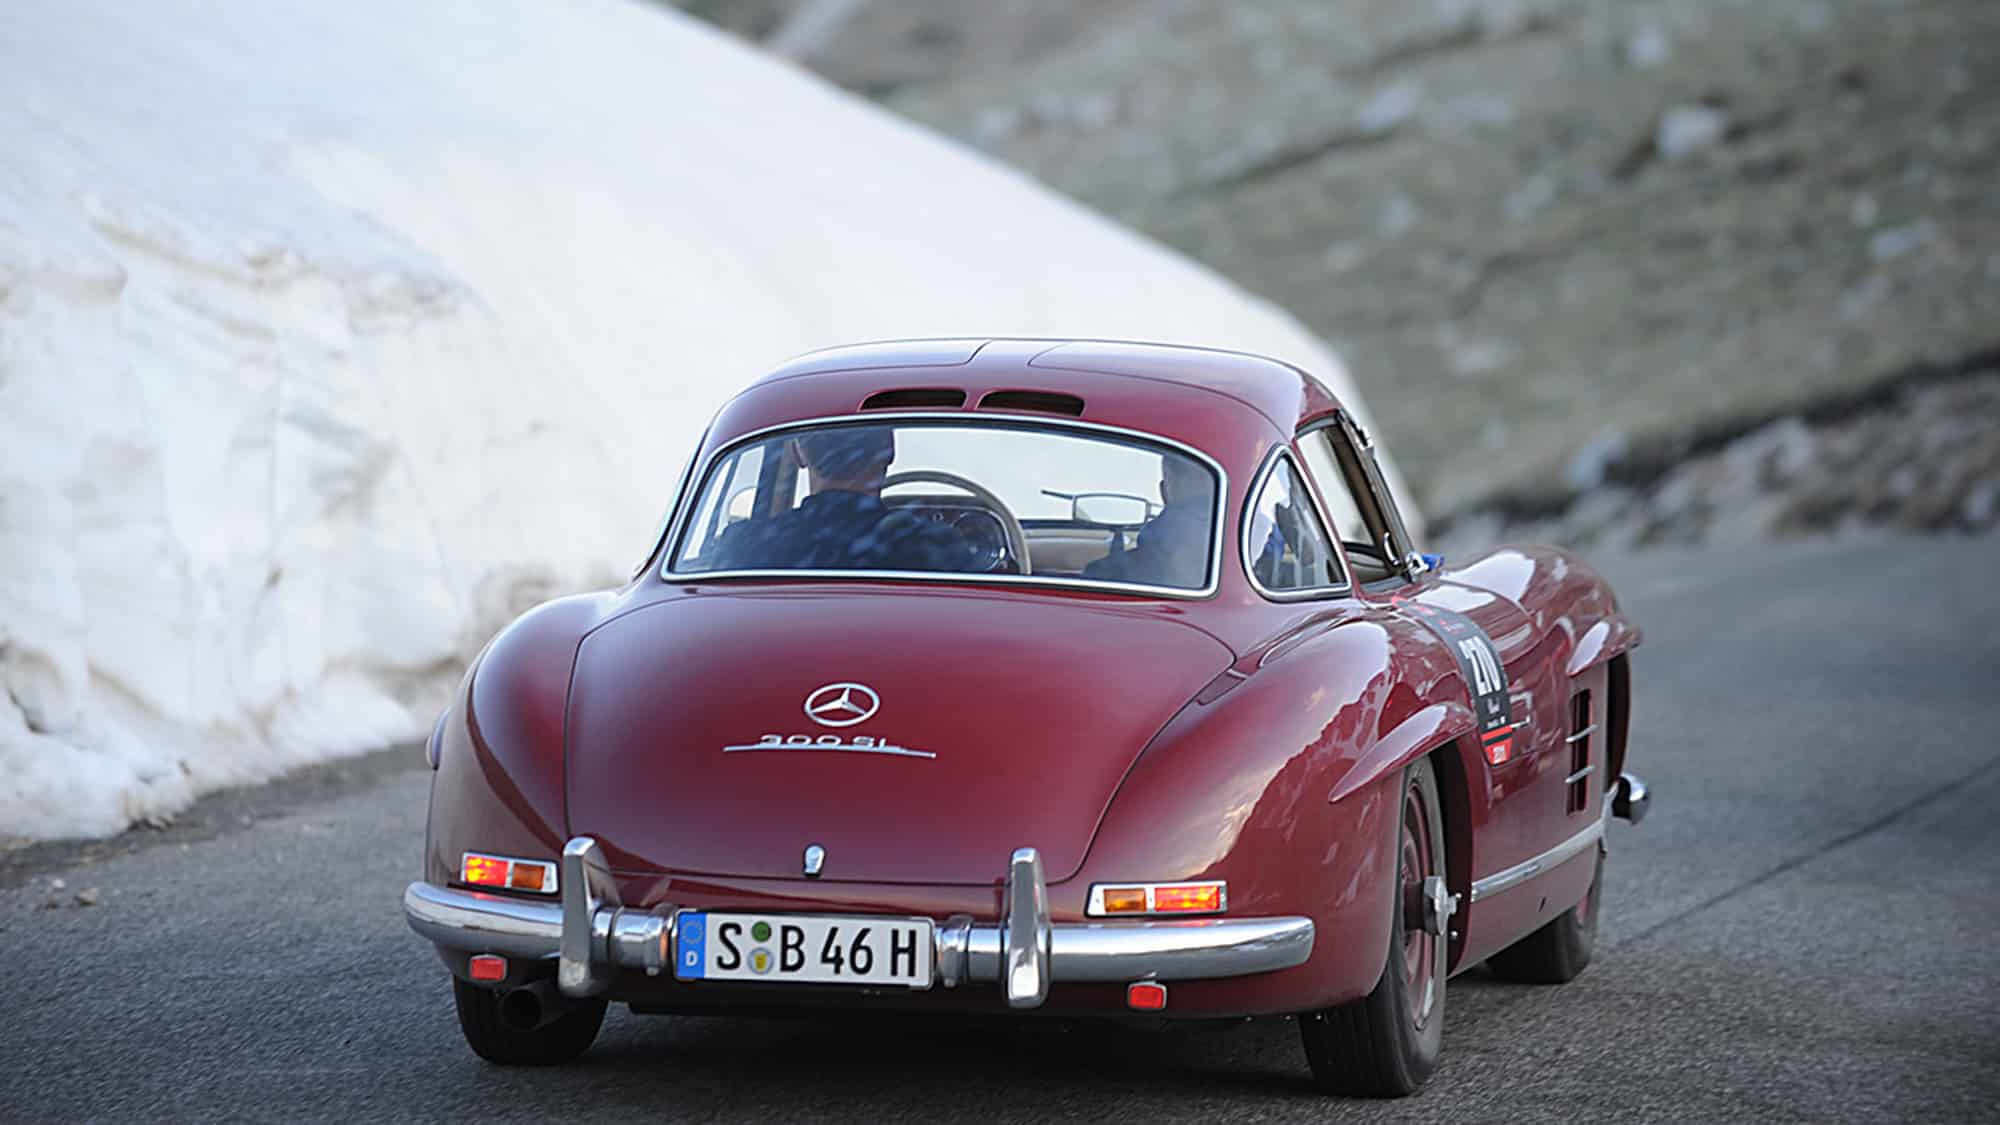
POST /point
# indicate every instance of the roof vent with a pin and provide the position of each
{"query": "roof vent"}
(908, 398)
(1046, 402)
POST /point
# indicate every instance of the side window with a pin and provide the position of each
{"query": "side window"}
(1285, 545)
(733, 501)
(1348, 522)
(1349, 482)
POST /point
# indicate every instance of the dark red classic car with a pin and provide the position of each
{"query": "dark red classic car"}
(1066, 676)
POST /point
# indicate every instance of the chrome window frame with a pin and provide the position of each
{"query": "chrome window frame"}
(673, 508)
(689, 500)
(1363, 445)
(1282, 452)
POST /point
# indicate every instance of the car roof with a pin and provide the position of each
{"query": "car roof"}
(1209, 398)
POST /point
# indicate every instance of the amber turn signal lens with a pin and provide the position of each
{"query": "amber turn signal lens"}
(1194, 898)
(1125, 900)
(528, 877)
(485, 870)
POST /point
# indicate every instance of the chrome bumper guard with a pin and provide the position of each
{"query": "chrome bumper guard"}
(1630, 800)
(592, 936)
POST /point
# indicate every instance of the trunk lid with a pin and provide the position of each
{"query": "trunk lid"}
(952, 727)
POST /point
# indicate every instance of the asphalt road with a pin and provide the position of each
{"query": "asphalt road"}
(1802, 931)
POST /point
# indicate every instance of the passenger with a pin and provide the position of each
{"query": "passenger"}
(1173, 546)
(843, 524)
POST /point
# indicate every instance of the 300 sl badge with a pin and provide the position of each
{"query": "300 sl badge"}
(860, 744)
(836, 705)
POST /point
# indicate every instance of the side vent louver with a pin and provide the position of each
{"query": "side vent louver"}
(1044, 402)
(1580, 730)
(909, 398)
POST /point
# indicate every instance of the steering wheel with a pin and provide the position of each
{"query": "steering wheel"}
(1017, 540)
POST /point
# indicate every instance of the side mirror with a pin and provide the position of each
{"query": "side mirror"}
(1110, 509)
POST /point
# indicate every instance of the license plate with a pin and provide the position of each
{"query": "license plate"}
(803, 948)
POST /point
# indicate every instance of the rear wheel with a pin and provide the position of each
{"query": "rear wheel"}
(494, 1039)
(1386, 1044)
(1557, 952)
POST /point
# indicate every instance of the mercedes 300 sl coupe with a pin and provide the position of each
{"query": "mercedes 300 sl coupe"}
(1047, 676)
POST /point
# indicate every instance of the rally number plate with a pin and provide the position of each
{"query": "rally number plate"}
(803, 948)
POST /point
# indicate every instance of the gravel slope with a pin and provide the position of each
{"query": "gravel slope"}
(1536, 228)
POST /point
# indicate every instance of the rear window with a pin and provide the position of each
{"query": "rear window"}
(1013, 502)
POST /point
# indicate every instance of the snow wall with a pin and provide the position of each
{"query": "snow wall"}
(310, 313)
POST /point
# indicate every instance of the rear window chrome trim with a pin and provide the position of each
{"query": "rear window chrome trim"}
(698, 484)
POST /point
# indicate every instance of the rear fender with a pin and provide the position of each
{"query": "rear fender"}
(1446, 734)
(1241, 786)
(499, 782)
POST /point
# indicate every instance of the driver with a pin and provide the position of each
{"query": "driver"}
(1173, 546)
(843, 523)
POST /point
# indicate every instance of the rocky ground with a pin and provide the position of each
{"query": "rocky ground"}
(1925, 457)
(1545, 233)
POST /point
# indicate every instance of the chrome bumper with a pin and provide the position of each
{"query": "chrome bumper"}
(592, 936)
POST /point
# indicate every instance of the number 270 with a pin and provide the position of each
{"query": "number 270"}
(1485, 670)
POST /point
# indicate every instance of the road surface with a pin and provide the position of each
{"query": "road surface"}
(1803, 930)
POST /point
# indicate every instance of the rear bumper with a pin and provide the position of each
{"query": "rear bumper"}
(592, 936)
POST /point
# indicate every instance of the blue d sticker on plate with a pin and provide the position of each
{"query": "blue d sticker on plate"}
(691, 949)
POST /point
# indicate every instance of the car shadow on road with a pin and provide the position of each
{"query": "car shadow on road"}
(939, 1058)
(959, 1055)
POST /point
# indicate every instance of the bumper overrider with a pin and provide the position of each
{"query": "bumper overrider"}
(592, 936)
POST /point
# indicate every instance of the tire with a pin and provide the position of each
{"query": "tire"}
(558, 1041)
(1386, 1044)
(1559, 951)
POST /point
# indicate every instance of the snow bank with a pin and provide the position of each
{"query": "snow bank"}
(308, 317)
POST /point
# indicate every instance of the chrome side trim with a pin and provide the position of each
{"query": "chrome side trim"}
(1522, 872)
(1579, 736)
(690, 499)
(1024, 931)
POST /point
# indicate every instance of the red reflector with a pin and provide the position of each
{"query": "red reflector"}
(485, 870)
(487, 966)
(1146, 996)
(1199, 898)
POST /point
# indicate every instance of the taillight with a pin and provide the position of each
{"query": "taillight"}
(537, 875)
(1111, 900)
